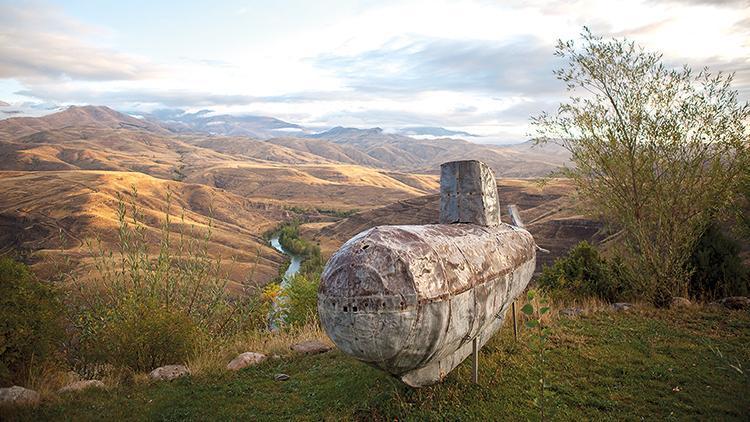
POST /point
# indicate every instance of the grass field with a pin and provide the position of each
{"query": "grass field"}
(652, 364)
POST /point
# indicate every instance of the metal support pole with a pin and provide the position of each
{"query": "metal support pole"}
(515, 326)
(475, 366)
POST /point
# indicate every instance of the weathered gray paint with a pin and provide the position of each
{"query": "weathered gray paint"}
(411, 299)
(468, 194)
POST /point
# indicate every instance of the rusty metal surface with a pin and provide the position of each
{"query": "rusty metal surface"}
(409, 299)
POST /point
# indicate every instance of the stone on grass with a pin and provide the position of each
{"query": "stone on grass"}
(736, 302)
(311, 347)
(621, 306)
(679, 302)
(571, 312)
(169, 372)
(18, 396)
(281, 377)
(81, 385)
(245, 359)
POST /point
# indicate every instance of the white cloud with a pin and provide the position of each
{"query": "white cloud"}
(477, 66)
(38, 43)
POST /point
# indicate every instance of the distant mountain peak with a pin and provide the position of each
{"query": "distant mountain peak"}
(432, 131)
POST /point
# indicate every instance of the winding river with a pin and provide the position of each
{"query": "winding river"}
(293, 269)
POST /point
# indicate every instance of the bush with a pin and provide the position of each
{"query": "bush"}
(583, 272)
(717, 269)
(301, 299)
(30, 321)
(138, 335)
(150, 302)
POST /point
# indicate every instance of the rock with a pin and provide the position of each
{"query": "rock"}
(311, 347)
(281, 377)
(245, 359)
(571, 311)
(18, 396)
(81, 385)
(715, 306)
(735, 302)
(679, 302)
(621, 306)
(169, 372)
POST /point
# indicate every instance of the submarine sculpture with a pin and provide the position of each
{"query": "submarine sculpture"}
(416, 300)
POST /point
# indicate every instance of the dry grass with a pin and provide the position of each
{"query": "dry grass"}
(213, 358)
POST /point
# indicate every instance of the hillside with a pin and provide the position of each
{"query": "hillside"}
(425, 155)
(37, 207)
(84, 156)
(97, 116)
(548, 212)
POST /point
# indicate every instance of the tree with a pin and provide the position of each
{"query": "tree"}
(657, 151)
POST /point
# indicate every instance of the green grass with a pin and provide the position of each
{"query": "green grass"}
(621, 366)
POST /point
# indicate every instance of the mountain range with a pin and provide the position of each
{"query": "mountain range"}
(62, 173)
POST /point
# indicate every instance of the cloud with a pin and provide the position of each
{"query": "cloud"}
(130, 97)
(96, 94)
(720, 3)
(38, 43)
(523, 64)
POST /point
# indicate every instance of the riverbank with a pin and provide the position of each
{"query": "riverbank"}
(295, 297)
(685, 363)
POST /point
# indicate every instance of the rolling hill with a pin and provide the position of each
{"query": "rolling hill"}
(548, 212)
(61, 173)
(54, 213)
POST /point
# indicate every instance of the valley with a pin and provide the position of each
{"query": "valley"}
(62, 173)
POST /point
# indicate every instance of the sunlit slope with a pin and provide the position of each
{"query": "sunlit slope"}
(95, 116)
(36, 208)
(325, 186)
(548, 212)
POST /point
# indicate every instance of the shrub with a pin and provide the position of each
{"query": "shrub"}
(583, 272)
(718, 270)
(145, 306)
(301, 299)
(30, 321)
(139, 335)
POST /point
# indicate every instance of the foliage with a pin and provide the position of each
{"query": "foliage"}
(31, 326)
(534, 309)
(298, 298)
(325, 211)
(137, 334)
(657, 151)
(717, 269)
(141, 307)
(291, 241)
(301, 299)
(583, 272)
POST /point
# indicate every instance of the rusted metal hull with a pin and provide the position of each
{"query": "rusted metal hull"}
(410, 299)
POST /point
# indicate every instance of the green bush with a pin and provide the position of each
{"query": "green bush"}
(31, 326)
(583, 272)
(717, 269)
(301, 299)
(140, 335)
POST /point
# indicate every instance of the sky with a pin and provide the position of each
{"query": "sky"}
(482, 67)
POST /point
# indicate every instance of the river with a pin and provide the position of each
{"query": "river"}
(294, 264)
